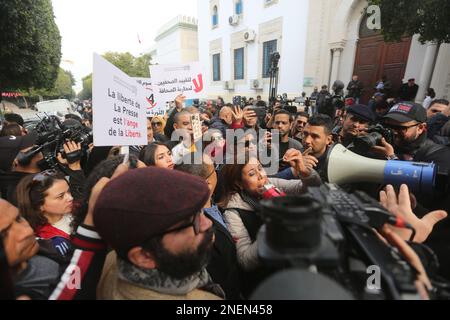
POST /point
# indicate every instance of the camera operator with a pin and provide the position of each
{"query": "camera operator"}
(356, 122)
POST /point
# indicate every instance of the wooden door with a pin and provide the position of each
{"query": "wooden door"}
(375, 58)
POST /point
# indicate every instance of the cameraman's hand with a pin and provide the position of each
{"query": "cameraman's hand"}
(73, 151)
(97, 189)
(423, 283)
(385, 149)
(401, 207)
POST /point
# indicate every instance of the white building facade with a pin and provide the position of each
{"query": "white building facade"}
(176, 42)
(237, 37)
(340, 45)
(320, 41)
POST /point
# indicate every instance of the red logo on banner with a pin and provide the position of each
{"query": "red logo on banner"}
(198, 84)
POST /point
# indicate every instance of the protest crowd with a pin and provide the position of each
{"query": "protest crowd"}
(181, 217)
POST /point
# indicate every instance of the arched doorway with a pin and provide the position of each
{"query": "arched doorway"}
(375, 58)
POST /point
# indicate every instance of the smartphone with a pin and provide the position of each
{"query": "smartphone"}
(237, 100)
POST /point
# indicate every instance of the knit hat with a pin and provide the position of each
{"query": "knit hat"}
(146, 202)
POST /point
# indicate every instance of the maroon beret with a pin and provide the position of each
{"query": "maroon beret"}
(145, 202)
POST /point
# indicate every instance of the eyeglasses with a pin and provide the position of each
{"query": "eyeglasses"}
(402, 129)
(156, 124)
(195, 224)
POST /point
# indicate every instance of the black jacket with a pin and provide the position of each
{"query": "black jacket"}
(223, 266)
(408, 93)
(355, 89)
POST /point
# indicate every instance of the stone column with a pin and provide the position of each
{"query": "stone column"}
(427, 71)
(336, 61)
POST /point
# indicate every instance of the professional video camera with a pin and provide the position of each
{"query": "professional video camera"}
(52, 134)
(363, 144)
(332, 232)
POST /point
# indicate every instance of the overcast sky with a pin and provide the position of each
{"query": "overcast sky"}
(88, 26)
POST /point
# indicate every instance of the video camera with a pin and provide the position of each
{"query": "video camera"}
(332, 232)
(363, 144)
(52, 134)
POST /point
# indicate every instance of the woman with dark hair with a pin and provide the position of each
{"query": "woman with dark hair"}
(243, 188)
(45, 201)
(157, 154)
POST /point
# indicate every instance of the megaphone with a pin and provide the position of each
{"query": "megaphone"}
(344, 166)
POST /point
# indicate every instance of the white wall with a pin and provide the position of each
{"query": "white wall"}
(441, 77)
(169, 49)
(293, 44)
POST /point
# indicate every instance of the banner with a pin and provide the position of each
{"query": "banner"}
(118, 106)
(153, 107)
(172, 80)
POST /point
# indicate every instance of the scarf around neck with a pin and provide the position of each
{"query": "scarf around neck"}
(157, 281)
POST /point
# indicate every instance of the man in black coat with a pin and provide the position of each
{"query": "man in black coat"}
(408, 91)
(355, 88)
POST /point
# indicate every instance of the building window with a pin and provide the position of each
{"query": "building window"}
(269, 47)
(239, 64)
(238, 7)
(215, 16)
(216, 67)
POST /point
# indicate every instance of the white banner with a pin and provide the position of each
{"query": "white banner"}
(118, 106)
(172, 80)
(153, 107)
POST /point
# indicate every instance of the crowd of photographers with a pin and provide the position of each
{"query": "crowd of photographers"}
(179, 219)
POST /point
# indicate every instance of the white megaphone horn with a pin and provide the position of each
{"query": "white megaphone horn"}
(344, 166)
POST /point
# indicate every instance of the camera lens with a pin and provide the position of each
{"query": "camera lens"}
(292, 222)
(364, 143)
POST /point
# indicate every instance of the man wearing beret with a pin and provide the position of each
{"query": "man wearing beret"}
(153, 220)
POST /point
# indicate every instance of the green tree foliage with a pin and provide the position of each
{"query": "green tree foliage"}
(86, 93)
(30, 41)
(429, 18)
(62, 88)
(132, 66)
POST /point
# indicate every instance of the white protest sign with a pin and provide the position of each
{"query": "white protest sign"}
(153, 107)
(118, 106)
(196, 126)
(172, 80)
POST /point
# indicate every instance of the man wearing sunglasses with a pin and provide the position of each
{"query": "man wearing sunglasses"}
(153, 220)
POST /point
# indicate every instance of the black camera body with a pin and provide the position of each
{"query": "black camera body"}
(333, 231)
(52, 134)
(363, 144)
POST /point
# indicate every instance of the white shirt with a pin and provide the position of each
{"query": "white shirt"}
(427, 102)
(64, 224)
